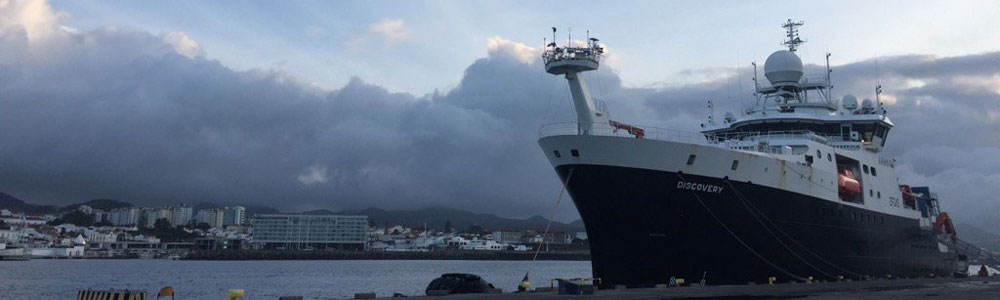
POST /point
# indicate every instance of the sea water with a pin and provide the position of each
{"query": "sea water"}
(325, 279)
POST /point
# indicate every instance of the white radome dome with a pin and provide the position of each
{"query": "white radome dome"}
(783, 67)
(868, 104)
(850, 102)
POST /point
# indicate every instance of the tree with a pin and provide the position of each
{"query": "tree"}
(56, 222)
(447, 227)
(78, 218)
(162, 224)
(203, 226)
(103, 223)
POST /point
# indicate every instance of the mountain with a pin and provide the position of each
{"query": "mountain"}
(978, 236)
(435, 218)
(17, 205)
(102, 204)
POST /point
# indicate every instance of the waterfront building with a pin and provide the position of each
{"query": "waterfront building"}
(508, 236)
(236, 215)
(288, 231)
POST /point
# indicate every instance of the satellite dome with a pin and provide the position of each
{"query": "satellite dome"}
(783, 67)
(868, 104)
(850, 102)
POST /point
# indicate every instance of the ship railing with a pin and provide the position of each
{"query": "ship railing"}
(734, 140)
(605, 129)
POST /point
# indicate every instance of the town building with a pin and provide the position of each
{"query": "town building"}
(236, 215)
(181, 215)
(128, 216)
(290, 231)
(214, 217)
(508, 236)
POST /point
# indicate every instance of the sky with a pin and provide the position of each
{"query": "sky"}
(401, 105)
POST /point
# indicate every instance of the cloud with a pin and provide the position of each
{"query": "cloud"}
(127, 114)
(313, 175)
(390, 31)
(183, 44)
(500, 46)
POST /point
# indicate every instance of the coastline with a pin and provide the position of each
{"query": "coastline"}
(384, 255)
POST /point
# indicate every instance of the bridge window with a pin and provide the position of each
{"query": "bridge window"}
(691, 159)
(865, 167)
(873, 172)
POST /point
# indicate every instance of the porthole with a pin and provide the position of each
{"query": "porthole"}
(871, 193)
(691, 159)
(736, 164)
(879, 194)
(873, 172)
(829, 157)
(865, 168)
(574, 152)
(556, 152)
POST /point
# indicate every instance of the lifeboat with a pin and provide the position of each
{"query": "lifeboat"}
(909, 198)
(847, 184)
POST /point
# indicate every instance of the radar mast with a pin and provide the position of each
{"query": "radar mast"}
(792, 33)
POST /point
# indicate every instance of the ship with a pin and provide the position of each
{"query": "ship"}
(792, 189)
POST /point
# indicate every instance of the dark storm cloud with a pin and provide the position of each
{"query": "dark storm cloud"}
(146, 118)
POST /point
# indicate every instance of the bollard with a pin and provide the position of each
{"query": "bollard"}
(809, 279)
(771, 280)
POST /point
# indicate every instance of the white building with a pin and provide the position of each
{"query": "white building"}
(155, 214)
(286, 231)
(181, 215)
(214, 217)
(236, 215)
(125, 216)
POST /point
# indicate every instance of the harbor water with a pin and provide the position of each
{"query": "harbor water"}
(337, 279)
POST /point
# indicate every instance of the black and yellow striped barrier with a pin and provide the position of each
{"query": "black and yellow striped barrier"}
(110, 295)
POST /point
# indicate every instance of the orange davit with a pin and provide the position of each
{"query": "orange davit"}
(847, 184)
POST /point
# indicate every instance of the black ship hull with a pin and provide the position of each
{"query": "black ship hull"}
(646, 226)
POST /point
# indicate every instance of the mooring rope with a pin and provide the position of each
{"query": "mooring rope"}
(738, 239)
(746, 200)
(552, 216)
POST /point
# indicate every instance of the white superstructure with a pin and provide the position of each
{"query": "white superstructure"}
(796, 137)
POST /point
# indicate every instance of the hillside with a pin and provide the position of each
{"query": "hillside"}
(17, 205)
(102, 204)
(435, 218)
(978, 236)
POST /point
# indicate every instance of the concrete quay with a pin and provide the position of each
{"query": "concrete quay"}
(938, 288)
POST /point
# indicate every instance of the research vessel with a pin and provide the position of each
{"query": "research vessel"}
(793, 188)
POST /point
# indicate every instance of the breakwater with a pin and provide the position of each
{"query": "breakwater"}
(382, 255)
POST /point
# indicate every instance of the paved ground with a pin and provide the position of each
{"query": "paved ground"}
(942, 288)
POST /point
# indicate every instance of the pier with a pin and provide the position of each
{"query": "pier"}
(940, 288)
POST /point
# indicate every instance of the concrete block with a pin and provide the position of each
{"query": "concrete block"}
(438, 292)
(364, 296)
(544, 290)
